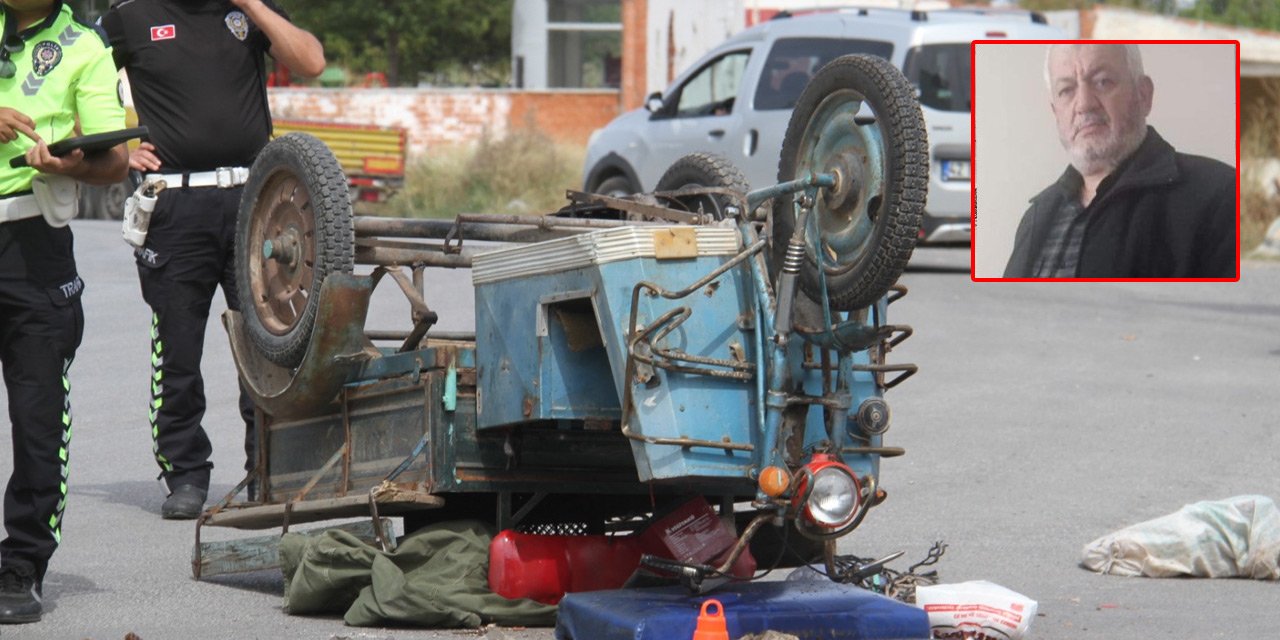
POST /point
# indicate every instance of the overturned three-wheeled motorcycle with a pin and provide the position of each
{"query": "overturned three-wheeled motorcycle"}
(703, 342)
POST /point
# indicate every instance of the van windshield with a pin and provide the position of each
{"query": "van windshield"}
(941, 71)
(792, 61)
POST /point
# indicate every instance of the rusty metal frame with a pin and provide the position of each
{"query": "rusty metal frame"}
(740, 370)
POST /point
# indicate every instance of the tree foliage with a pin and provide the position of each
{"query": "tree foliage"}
(402, 38)
(407, 38)
(1156, 6)
(1258, 14)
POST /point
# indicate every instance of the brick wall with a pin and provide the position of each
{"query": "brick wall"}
(453, 116)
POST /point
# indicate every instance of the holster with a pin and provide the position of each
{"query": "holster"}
(57, 196)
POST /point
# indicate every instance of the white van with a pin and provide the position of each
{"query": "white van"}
(736, 100)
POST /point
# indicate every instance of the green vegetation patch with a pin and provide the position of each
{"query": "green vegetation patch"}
(524, 172)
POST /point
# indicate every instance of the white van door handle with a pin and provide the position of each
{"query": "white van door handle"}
(715, 134)
(749, 143)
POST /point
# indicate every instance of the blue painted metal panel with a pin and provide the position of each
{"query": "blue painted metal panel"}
(528, 370)
(682, 404)
(808, 610)
(553, 346)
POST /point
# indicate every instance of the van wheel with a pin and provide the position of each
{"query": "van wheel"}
(294, 228)
(703, 170)
(616, 187)
(859, 119)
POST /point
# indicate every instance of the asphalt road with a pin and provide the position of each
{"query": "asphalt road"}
(1043, 416)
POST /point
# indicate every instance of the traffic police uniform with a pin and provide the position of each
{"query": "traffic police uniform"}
(197, 73)
(64, 70)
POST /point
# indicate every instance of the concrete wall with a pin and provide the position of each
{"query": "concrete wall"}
(680, 31)
(529, 42)
(453, 116)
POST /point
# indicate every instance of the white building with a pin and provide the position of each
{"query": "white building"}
(566, 44)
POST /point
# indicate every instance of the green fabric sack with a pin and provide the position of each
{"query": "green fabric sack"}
(436, 577)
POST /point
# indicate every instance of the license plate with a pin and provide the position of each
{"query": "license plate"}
(955, 170)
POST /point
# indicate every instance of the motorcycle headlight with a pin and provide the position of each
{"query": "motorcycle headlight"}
(830, 490)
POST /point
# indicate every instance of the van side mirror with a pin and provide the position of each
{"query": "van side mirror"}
(654, 102)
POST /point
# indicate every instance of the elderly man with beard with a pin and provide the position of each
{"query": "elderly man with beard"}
(1129, 206)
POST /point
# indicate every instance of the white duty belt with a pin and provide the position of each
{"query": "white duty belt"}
(222, 178)
(18, 208)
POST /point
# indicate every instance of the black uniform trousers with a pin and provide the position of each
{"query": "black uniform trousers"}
(188, 253)
(40, 328)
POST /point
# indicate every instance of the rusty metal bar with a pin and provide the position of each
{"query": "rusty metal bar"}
(883, 452)
(399, 336)
(395, 257)
(315, 479)
(408, 245)
(743, 541)
(664, 325)
(905, 371)
(474, 226)
(688, 442)
(346, 439)
(639, 206)
(422, 316)
(634, 338)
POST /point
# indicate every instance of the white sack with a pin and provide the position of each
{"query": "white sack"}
(1236, 537)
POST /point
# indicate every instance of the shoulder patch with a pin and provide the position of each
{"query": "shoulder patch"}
(163, 32)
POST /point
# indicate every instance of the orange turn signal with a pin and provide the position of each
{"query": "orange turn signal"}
(774, 481)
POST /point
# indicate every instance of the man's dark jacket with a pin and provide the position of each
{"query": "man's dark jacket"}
(1165, 215)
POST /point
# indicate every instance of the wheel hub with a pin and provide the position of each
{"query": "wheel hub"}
(282, 272)
(844, 142)
(284, 248)
(838, 201)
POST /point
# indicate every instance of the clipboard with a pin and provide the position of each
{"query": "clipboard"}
(88, 144)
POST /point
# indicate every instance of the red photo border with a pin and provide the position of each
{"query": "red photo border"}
(973, 165)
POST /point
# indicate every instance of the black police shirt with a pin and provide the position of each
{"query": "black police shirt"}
(197, 73)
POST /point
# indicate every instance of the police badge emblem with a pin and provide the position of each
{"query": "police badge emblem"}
(238, 24)
(44, 57)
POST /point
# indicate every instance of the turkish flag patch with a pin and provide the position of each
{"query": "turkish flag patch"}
(163, 32)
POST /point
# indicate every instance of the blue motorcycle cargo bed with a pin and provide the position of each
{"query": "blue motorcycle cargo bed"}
(810, 610)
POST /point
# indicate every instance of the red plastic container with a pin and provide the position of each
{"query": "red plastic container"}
(544, 568)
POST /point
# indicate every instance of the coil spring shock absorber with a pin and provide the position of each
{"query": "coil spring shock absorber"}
(791, 264)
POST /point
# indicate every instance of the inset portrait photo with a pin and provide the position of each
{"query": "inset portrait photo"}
(1104, 160)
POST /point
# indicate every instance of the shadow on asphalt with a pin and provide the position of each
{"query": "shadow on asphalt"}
(937, 268)
(145, 495)
(267, 581)
(59, 585)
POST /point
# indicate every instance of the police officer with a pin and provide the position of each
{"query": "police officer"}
(53, 70)
(197, 72)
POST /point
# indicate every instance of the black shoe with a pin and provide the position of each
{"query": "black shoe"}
(19, 596)
(184, 503)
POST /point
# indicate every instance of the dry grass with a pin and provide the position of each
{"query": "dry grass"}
(1259, 126)
(525, 172)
